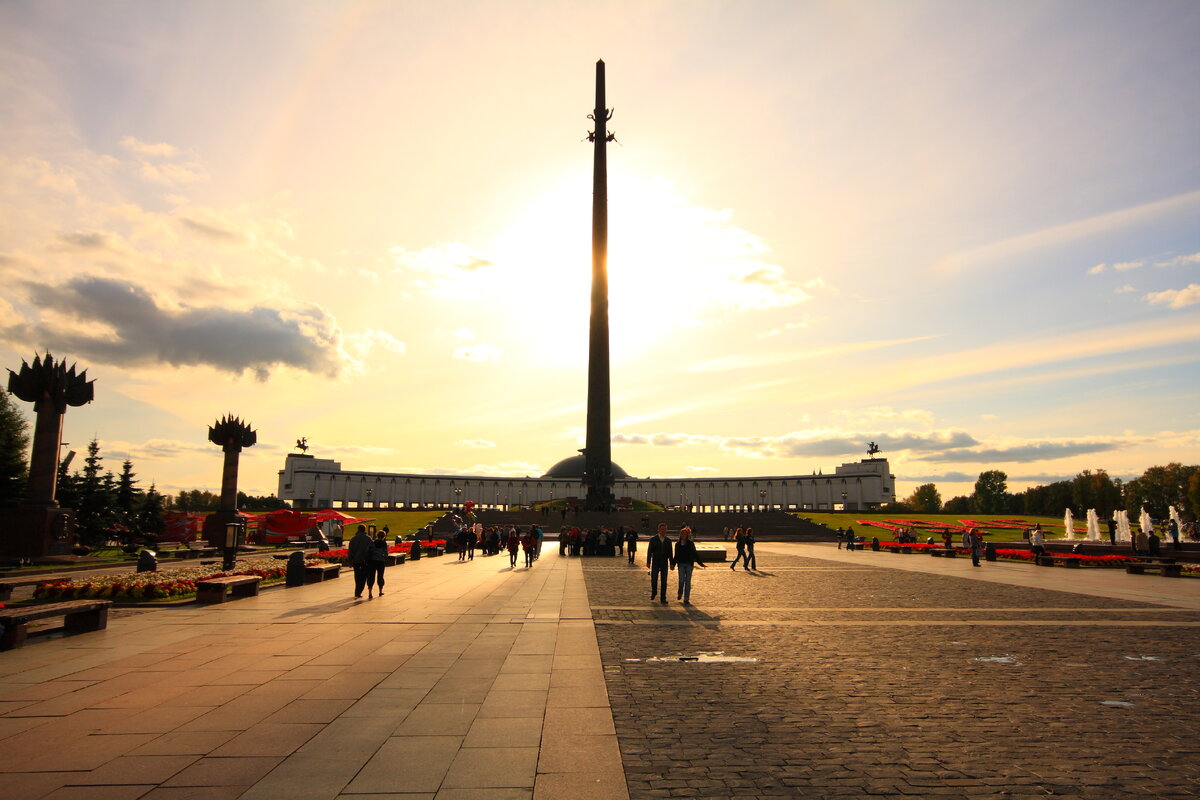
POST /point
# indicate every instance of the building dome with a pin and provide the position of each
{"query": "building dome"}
(573, 467)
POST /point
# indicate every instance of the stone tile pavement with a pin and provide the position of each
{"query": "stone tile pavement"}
(889, 675)
(461, 683)
(875, 675)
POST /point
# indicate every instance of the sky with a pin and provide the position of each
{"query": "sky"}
(969, 232)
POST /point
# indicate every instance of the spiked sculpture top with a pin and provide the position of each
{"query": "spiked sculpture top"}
(231, 433)
(51, 387)
(46, 380)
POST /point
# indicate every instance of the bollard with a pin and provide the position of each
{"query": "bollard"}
(147, 561)
(295, 569)
(989, 551)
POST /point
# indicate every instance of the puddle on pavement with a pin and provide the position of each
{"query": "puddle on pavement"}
(998, 660)
(717, 657)
(1116, 703)
(1143, 658)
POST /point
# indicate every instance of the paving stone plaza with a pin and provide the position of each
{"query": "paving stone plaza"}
(873, 675)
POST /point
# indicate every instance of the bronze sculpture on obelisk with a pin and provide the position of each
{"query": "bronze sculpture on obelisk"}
(598, 472)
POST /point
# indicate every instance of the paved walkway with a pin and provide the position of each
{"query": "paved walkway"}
(462, 682)
(876, 674)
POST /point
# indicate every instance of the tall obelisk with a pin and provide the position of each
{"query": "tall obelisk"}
(598, 473)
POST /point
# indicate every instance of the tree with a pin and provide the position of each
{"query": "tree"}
(958, 505)
(1193, 492)
(128, 496)
(14, 443)
(150, 519)
(1159, 487)
(95, 495)
(925, 499)
(991, 492)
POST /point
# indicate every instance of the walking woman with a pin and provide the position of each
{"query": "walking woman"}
(512, 544)
(631, 540)
(685, 559)
(377, 562)
(751, 562)
(739, 538)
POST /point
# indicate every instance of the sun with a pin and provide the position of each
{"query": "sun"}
(671, 266)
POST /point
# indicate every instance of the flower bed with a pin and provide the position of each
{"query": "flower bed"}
(340, 554)
(1020, 555)
(143, 586)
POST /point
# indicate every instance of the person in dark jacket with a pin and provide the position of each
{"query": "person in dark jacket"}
(376, 563)
(685, 559)
(631, 540)
(357, 552)
(660, 558)
(751, 562)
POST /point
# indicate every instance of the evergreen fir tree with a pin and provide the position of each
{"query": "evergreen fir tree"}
(14, 442)
(150, 518)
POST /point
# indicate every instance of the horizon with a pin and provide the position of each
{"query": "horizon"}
(969, 233)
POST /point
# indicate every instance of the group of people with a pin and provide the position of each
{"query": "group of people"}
(603, 540)
(743, 540)
(492, 539)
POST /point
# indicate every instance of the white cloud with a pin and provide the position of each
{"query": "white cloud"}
(161, 150)
(478, 352)
(1126, 289)
(790, 326)
(372, 341)
(1179, 261)
(477, 443)
(1177, 298)
(449, 260)
(1125, 266)
(1096, 270)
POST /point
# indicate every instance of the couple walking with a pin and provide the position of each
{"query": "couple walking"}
(368, 557)
(745, 549)
(663, 555)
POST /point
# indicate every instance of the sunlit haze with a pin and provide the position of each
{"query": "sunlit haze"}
(969, 232)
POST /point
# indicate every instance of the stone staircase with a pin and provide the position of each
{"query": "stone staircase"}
(768, 525)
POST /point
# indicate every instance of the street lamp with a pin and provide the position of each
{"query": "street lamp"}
(369, 493)
(232, 529)
(762, 499)
(312, 493)
(843, 501)
(457, 495)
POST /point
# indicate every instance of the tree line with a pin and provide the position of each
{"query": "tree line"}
(1157, 488)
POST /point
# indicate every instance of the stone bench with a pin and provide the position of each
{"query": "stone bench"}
(1168, 570)
(898, 548)
(8, 584)
(944, 552)
(711, 553)
(212, 590)
(1050, 560)
(315, 573)
(79, 616)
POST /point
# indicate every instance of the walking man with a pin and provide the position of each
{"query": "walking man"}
(358, 552)
(660, 558)
(973, 542)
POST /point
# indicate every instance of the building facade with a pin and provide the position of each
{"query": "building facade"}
(310, 482)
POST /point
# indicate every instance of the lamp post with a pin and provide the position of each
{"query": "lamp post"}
(457, 496)
(232, 530)
(312, 493)
(843, 501)
(369, 492)
(762, 499)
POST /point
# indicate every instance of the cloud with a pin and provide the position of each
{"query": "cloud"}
(1126, 289)
(120, 323)
(477, 443)
(1176, 298)
(1036, 451)
(170, 174)
(1179, 261)
(1096, 270)
(161, 150)
(213, 230)
(448, 260)
(809, 443)
(1007, 249)
(863, 417)
(944, 477)
(478, 352)
(95, 240)
(1125, 266)
(790, 326)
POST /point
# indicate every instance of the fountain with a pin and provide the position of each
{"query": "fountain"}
(1093, 525)
(1068, 524)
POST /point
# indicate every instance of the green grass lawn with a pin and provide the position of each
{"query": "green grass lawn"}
(1051, 526)
(401, 523)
